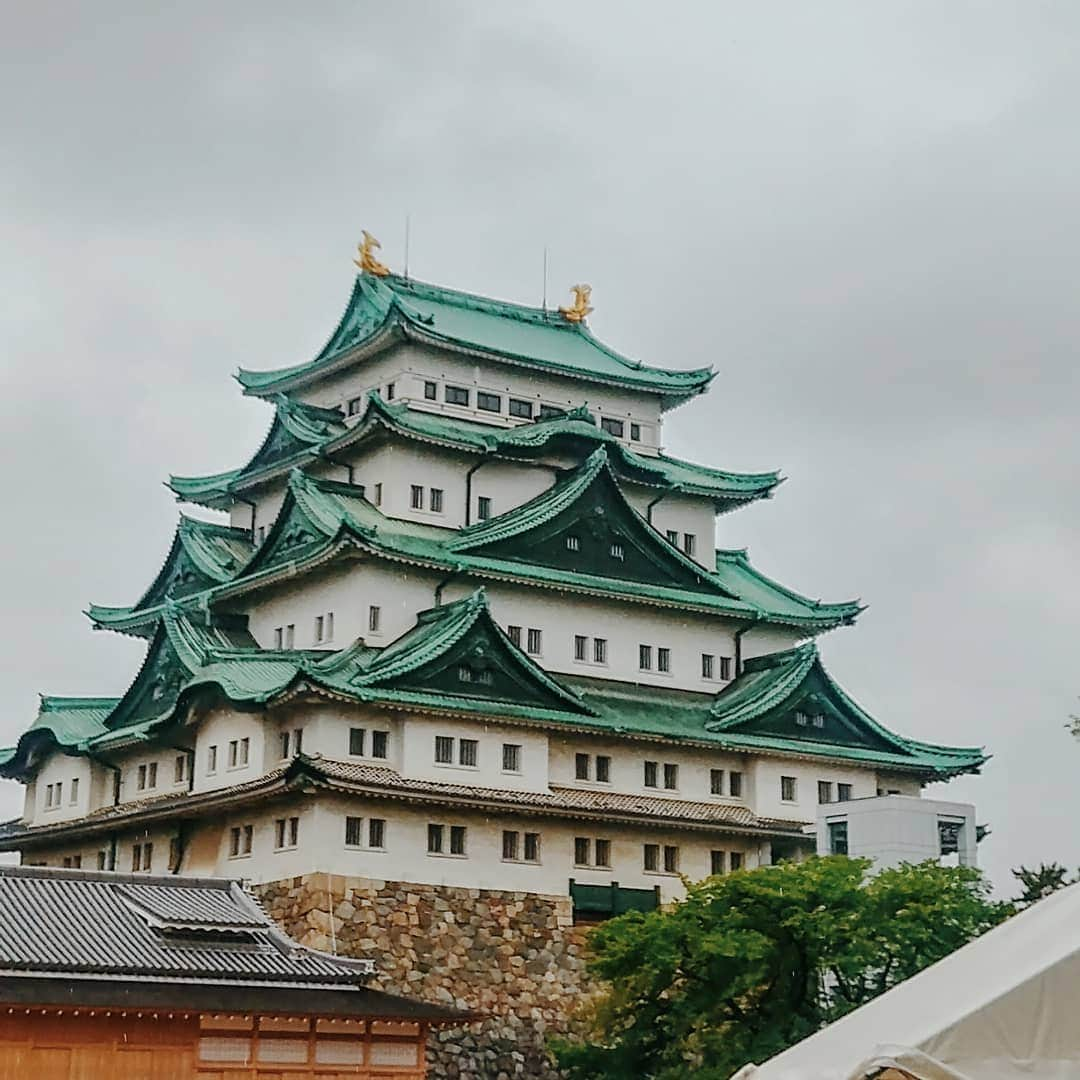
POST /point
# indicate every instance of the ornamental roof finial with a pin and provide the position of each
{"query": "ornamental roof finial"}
(577, 311)
(367, 261)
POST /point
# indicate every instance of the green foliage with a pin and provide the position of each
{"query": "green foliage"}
(1040, 883)
(752, 962)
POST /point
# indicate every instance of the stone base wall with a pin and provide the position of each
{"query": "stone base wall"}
(515, 957)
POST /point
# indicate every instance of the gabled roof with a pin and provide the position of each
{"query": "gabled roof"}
(788, 698)
(203, 554)
(381, 310)
(62, 721)
(296, 433)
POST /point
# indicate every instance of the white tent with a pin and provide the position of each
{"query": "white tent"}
(1005, 1006)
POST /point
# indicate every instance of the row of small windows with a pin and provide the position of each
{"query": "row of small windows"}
(434, 498)
(239, 754)
(323, 628)
(789, 790)
(534, 639)
(689, 541)
(54, 793)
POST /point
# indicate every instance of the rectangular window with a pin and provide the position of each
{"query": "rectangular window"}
(176, 855)
(151, 775)
(635, 433)
(73, 789)
(354, 831)
(612, 427)
(457, 839)
(180, 769)
(603, 769)
(573, 543)
(380, 744)
(644, 655)
(673, 537)
(708, 663)
(716, 781)
(488, 402)
(736, 861)
(245, 750)
(603, 853)
(618, 552)
(234, 842)
(511, 757)
(435, 839)
(357, 739)
(514, 634)
(378, 494)
(390, 391)
(548, 411)
(838, 838)
(298, 740)
(824, 791)
(431, 391)
(416, 497)
(102, 860)
(716, 862)
(444, 750)
(599, 649)
(843, 792)
(581, 646)
(467, 752)
(72, 862)
(435, 504)
(788, 788)
(534, 642)
(140, 783)
(324, 627)
(356, 406)
(286, 832)
(290, 636)
(211, 759)
(284, 740)
(279, 637)
(510, 845)
(456, 395)
(652, 771)
(689, 543)
(377, 832)
(671, 776)
(651, 859)
(725, 667)
(374, 618)
(581, 766)
(261, 536)
(523, 409)
(671, 859)
(318, 628)
(735, 785)
(532, 847)
(483, 508)
(663, 659)
(581, 850)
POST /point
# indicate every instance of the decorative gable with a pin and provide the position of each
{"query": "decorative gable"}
(585, 525)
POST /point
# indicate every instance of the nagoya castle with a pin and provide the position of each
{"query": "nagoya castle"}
(453, 665)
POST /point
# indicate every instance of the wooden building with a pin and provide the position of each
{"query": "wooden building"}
(105, 974)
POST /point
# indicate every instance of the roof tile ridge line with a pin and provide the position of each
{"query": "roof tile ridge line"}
(184, 639)
(237, 532)
(855, 605)
(327, 489)
(788, 679)
(47, 702)
(768, 474)
(561, 493)
(689, 374)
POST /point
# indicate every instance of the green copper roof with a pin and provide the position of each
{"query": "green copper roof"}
(296, 433)
(575, 432)
(319, 514)
(203, 554)
(381, 308)
(69, 722)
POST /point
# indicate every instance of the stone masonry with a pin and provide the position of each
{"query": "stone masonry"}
(514, 957)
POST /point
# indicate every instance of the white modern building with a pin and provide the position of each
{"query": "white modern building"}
(461, 620)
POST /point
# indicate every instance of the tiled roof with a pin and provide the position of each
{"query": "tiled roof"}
(80, 923)
(575, 430)
(504, 332)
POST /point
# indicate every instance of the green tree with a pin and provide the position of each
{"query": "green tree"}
(752, 962)
(1041, 882)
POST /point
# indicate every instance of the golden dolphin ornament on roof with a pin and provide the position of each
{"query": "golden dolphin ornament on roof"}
(577, 311)
(367, 261)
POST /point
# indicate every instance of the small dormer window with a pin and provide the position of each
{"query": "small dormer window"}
(819, 720)
(464, 673)
(801, 719)
(617, 551)
(573, 543)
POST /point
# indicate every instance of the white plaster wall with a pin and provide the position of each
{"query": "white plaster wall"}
(898, 784)
(62, 768)
(683, 514)
(218, 728)
(762, 640)
(408, 365)
(326, 731)
(628, 768)
(418, 754)
(898, 828)
(166, 772)
(322, 848)
(765, 774)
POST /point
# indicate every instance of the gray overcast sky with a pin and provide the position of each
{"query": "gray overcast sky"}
(864, 215)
